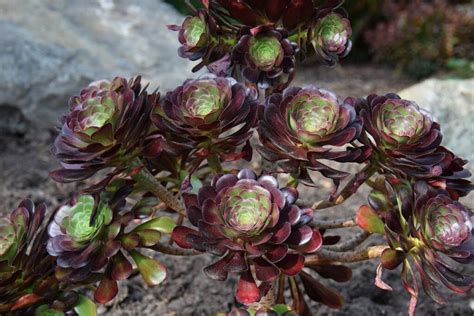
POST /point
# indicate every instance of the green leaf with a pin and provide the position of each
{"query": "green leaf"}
(163, 224)
(153, 272)
(85, 307)
(369, 221)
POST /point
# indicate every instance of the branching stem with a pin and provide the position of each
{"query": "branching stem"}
(150, 183)
(349, 244)
(335, 223)
(323, 256)
(351, 187)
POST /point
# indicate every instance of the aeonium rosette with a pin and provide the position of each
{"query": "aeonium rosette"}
(210, 116)
(255, 227)
(426, 230)
(264, 55)
(406, 140)
(330, 34)
(303, 125)
(91, 241)
(106, 126)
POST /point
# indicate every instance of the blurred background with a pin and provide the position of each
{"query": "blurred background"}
(50, 49)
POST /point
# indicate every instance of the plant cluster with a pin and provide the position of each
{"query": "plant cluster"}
(164, 178)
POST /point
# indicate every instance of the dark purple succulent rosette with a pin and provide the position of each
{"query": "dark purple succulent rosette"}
(264, 54)
(330, 33)
(428, 227)
(255, 227)
(286, 13)
(200, 38)
(108, 124)
(407, 141)
(303, 125)
(208, 116)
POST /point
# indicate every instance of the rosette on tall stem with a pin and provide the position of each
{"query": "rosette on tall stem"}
(406, 140)
(303, 125)
(106, 126)
(255, 227)
(208, 117)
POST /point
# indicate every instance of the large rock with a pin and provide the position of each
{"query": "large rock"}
(452, 104)
(49, 49)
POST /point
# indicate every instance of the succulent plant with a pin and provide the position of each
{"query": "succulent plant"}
(265, 54)
(425, 225)
(107, 125)
(286, 13)
(406, 140)
(210, 116)
(330, 36)
(253, 226)
(87, 237)
(302, 126)
(24, 263)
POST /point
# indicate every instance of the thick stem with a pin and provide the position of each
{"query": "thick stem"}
(351, 187)
(324, 256)
(174, 251)
(349, 244)
(145, 179)
(335, 223)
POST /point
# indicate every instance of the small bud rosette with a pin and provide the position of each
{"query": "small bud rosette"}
(208, 116)
(254, 226)
(107, 125)
(331, 33)
(89, 241)
(264, 55)
(406, 140)
(425, 225)
(303, 125)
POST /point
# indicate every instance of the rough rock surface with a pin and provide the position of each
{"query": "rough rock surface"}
(451, 102)
(49, 49)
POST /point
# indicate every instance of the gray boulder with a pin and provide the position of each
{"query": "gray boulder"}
(451, 102)
(50, 49)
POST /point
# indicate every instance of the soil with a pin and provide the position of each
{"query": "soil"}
(26, 160)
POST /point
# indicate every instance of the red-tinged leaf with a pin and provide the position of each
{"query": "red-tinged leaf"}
(153, 272)
(247, 290)
(121, 267)
(369, 221)
(320, 293)
(390, 259)
(85, 307)
(338, 273)
(292, 264)
(378, 280)
(106, 291)
(217, 270)
(25, 301)
(264, 270)
(179, 236)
